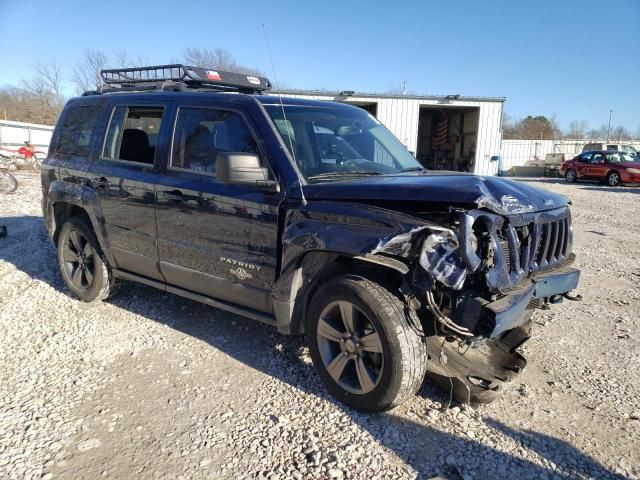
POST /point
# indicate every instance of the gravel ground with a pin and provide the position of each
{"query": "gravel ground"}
(150, 385)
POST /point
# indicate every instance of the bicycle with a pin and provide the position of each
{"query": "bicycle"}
(28, 152)
(8, 183)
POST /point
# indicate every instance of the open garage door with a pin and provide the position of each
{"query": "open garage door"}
(448, 137)
(371, 107)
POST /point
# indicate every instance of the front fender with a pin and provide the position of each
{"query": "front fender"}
(316, 234)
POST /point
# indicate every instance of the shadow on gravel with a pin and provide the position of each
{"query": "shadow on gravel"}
(428, 450)
(27, 246)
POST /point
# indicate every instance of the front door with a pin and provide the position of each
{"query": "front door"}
(215, 239)
(598, 167)
(123, 176)
(582, 165)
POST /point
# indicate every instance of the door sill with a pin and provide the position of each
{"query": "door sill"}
(229, 307)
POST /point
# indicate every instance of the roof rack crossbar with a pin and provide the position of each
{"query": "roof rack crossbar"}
(184, 74)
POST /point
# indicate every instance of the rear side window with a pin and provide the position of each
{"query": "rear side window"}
(76, 130)
(612, 147)
(132, 134)
(202, 133)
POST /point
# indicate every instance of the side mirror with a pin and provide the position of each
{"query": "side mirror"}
(237, 168)
(495, 158)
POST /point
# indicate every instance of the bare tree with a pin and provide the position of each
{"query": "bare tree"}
(122, 59)
(218, 58)
(43, 100)
(577, 129)
(86, 73)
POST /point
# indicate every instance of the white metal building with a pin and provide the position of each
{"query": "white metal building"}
(14, 134)
(445, 132)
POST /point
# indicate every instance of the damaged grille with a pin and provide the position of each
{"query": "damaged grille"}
(541, 242)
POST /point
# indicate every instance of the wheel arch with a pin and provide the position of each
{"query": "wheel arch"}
(65, 200)
(293, 290)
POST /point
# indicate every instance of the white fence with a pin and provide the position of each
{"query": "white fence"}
(517, 153)
(13, 134)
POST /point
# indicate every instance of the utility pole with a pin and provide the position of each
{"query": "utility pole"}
(609, 129)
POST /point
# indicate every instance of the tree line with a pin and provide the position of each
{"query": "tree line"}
(39, 98)
(541, 127)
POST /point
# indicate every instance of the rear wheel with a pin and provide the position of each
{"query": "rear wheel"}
(83, 267)
(362, 346)
(613, 179)
(570, 175)
(36, 163)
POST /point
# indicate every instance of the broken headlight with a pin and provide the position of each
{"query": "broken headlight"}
(439, 256)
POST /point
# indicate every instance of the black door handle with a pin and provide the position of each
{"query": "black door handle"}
(175, 196)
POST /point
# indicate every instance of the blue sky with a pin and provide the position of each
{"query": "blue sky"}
(574, 59)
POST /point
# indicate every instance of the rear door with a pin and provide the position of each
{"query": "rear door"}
(124, 175)
(216, 239)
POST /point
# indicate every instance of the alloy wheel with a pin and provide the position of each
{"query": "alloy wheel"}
(571, 176)
(614, 179)
(79, 260)
(350, 347)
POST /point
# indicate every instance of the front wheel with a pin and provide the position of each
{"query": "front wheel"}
(8, 183)
(570, 175)
(84, 269)
(613, 179)
(362, 345)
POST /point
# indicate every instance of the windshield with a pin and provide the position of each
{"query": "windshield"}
(621, 157)
(334, 142)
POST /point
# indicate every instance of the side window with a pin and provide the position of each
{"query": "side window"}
(202, 133)
(597, 158)
(586, 157)
(76, 130)
(133, 134)
(612, 147)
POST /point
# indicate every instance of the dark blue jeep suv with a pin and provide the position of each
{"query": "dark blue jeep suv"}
(309, 216)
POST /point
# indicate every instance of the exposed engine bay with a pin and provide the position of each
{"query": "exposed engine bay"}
(475, 285)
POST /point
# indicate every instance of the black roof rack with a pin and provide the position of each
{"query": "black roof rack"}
(178, 75)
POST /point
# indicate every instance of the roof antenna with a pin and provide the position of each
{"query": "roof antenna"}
(284, 115)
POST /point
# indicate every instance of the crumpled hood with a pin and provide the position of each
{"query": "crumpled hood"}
(499, 195)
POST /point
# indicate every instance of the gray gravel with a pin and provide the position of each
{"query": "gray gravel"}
(149, 385)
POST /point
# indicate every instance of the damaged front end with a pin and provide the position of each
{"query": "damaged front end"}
(475, 284)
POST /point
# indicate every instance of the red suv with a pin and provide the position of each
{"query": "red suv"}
(609, 166)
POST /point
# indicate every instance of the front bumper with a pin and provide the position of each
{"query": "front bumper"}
(508, 312)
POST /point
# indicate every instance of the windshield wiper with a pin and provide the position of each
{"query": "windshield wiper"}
(341, 174)
(413, 169)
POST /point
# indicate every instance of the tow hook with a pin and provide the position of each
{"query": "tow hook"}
(573, 298)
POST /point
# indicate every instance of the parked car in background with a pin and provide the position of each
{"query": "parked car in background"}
(609, 166)
(552, 164)
(619, 147)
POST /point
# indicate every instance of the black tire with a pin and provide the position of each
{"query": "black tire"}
(403, 356)
(570, 175)
(89, 277)
(8, 183)
(613, 179)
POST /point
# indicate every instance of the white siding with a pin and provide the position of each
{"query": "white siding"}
(401, 115)
(13, 134)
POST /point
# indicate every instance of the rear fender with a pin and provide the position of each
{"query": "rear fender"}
(82, 197)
